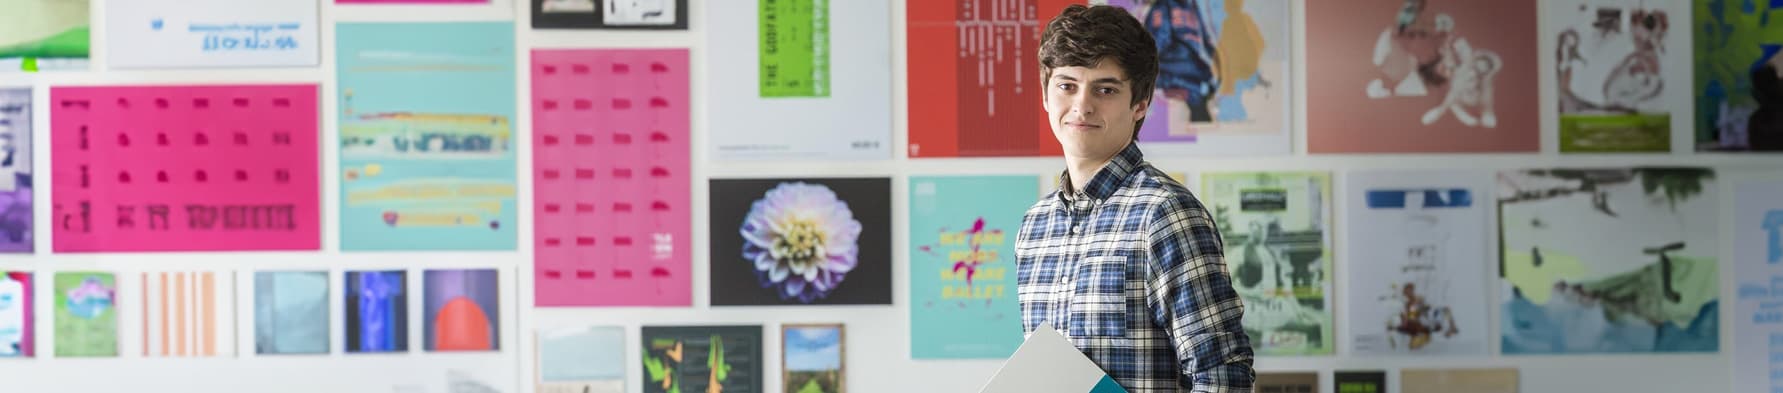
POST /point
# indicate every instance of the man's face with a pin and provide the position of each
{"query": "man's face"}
(1091, 109)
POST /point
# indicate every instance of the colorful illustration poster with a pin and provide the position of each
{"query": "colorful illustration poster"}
(1739, 77)
(610, 14)
(980, 91)
(813, 358)
(377, 311)
(1224, 86)
(45, 35)
(702, 359)
(188, 314)
(1360, 381)
(1615, 58)
(1609, 260)
(86, 314)
(581, 360)
(820, 241)
(1422, 76)
(1420, 241)
(824, 101)
(427, 136)
(962, 265)
(185, 168)
(17, 326)
(291, 313)
(1287, 382)
(1277, 230)
(463, 312)
(212, 33)
(612, 182)
(1757, 343)
(16, 221)
(1486, 380)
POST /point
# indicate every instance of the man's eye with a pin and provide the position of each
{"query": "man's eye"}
(1105, 90)
(1066, 86)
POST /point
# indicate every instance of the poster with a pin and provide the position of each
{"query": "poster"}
(1419, 239)
(463, 312)
(17, 227)
(45, 35)
(612, 182)
(962, 265)
(212, 33)
(1287, 382)
(813, 358)
(188, 314)
(377, 311)
(1739, 77)
(1609, 260)
(1757, 344)
(1491, 380)
(1360, 381)
(185, 168)
(1276, 226)
(581, 360)
(1619, 73)
(1422, 76)
(427, 136)
(17, 321)
(821, 241)
(1224, 85)
(702, 359)
(789, 91)
(86, 314)
(411, 1)
(291, 313)
(610, 14)
(979, 93)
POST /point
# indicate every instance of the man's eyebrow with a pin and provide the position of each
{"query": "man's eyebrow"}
(1109, 80)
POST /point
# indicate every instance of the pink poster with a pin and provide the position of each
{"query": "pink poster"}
(612, 192)
(184, 168)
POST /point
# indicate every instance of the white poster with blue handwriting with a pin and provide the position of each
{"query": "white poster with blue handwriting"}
(1758, 264)
(212, 33)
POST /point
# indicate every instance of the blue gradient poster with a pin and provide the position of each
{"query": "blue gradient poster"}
(426, 136)
(962, 258)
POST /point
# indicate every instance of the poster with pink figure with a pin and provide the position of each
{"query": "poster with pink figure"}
(1422, 76)
(612, 190)
(185, 168)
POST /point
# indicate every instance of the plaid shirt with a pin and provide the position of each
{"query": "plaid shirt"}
(1131, 269)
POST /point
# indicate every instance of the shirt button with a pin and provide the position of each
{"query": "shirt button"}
(1076, 229)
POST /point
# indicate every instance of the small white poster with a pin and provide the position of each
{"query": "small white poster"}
(1758, 275)
(212, 33)
(1417, 250)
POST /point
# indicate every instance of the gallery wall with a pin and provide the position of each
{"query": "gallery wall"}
(878, 338)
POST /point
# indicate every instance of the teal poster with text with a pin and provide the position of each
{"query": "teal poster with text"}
(962, 260)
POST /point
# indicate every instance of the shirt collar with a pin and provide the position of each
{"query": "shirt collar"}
(1108, 179)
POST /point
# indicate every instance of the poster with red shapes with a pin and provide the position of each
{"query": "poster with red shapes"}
(612, 191)
(185, 168)
(975, 88)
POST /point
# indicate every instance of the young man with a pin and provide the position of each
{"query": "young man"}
(1122, 259)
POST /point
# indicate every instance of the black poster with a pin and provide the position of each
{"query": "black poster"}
(693, 358)
(801, 241)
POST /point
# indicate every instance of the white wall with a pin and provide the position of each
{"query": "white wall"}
(878, 355)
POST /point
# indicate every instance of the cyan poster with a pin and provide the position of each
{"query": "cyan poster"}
(427, 136)
(962, 260)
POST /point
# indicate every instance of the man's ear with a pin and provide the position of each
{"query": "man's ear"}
(1142, 109)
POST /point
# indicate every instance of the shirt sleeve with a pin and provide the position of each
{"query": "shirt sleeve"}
(1190, 296)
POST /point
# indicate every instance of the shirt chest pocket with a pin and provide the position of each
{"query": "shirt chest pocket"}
(1099, 305)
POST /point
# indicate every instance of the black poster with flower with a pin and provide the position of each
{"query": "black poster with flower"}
(822, 241)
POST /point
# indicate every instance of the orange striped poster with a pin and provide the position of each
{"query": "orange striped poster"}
(188, 314)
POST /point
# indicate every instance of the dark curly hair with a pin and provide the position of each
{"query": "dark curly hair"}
(1082, 36)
